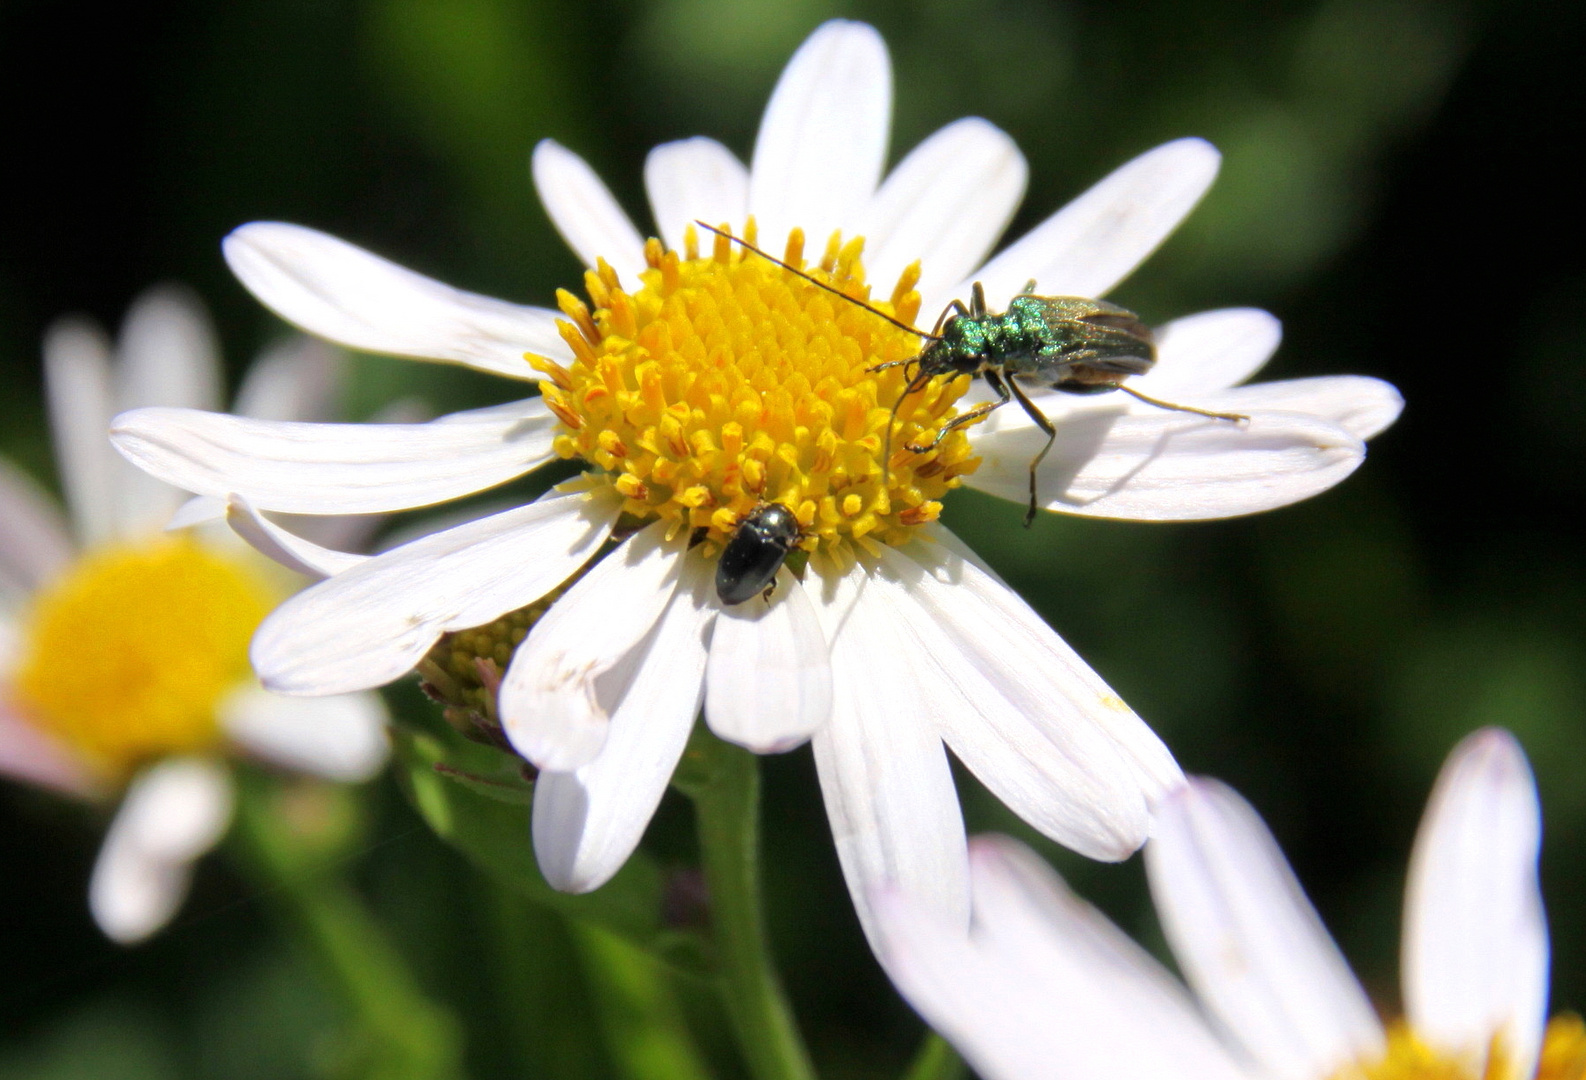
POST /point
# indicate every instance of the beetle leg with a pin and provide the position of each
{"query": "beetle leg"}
(1029, 288)
(995, 382)
(1051, 436)
(977, 300)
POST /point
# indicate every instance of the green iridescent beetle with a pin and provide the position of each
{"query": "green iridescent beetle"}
(1067, 343)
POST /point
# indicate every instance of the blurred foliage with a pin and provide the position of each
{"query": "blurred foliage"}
(1396, 187)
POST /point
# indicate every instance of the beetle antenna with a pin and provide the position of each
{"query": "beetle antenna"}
(899, 323)
(1132, 392)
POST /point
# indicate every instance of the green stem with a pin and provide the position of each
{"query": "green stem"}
(724, 783)
(936, 1060)
(396, 1033)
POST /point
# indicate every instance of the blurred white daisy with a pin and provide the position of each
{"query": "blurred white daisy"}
(702, 383)
(123, 647)
(1044, 986)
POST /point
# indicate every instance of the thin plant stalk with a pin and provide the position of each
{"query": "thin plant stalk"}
(724, 783)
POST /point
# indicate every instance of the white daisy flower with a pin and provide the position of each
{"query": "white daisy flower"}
(701, 384)
(123, 647)
(1044, 986)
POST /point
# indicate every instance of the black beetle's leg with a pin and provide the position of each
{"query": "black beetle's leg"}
(1051, 436)
(995, 382)
(977, 300)
(1132, 392)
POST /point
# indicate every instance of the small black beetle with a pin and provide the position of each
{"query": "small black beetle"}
(756, 552)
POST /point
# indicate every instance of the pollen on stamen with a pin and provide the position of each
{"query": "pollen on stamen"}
(725, 382)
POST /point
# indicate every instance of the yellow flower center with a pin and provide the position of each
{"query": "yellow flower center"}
(726, 382)
(126, 657)
(1408, 1058)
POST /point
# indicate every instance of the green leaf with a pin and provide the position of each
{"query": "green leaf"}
(463, 791)
(645, 1027)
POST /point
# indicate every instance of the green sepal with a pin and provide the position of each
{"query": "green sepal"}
(482, 769)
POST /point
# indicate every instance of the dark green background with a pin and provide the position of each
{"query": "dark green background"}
(1396, 188)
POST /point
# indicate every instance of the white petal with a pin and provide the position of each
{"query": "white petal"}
(695, 180)
(1360, 405)
(439, 520)
(579, 661)
(587, 823)
(342, 737)
(173, 813)
(199, 510)
(166, 355)
(1022, 710)
(769, 683)
(1094, 242)
(884, 775)
(28, 754)
(1163, 466)
(1249, 941)
(77, 381)
(1210, 350)
(823, 138)
(371, 624)
(338, 291)
(1475, 939)
(34, 545)
(337, 468)
(1043, 986)
(945, 204)
(285, 547)
(355, 532)
(584, 211)
(295, 379)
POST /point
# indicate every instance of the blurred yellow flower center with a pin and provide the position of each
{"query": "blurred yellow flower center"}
(126, 657)
(1408, 1058)
(1563, 1057)
(1563, 1050)
(726, 382)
